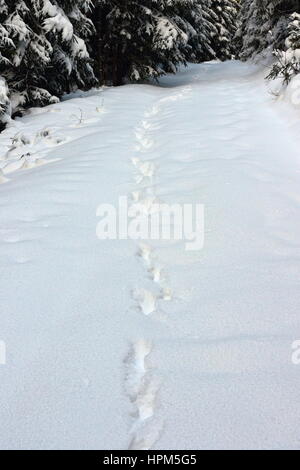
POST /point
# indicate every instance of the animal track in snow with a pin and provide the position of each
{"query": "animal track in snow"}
(166, 294)
(145, 431)
(140, 134)
(145, 252)
(154, 110)
(141, 388)
(136, 366)
(146, 206)
(147, 169)
(156, 273)
(136, 161)
(146, 125)
(146, 299)
(145, 144)
(145, 442)
(149, 204)
(145, 400)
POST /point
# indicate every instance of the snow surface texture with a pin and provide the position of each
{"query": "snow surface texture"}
(121, 344)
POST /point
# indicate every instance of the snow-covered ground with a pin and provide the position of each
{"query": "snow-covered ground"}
(117, 345)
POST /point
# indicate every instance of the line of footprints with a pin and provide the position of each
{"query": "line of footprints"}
(141, 384)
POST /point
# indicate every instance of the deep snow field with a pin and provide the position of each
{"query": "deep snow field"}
(122, 345)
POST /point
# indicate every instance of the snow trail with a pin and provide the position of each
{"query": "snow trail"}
(141, 344)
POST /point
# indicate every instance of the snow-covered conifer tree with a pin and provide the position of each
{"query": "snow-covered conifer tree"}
(197, 20)
(5, 41)
(139, 40)
(189, 16)
(263, 26)
(5, 45)
(255, 18)
(224, 14)
(28, 54)
(288, 60)
(43, 49)
(67, 27)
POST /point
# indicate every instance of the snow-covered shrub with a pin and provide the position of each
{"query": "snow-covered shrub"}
(288, 61)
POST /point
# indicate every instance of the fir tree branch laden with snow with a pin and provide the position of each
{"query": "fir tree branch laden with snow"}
(43, 52)
(288, 61)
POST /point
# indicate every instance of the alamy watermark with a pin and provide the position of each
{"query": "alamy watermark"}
(149, 220)
(2, 353)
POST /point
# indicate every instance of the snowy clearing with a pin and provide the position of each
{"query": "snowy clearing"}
(123, 345)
